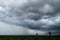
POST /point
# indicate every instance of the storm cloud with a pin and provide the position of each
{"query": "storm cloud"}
(41, 15)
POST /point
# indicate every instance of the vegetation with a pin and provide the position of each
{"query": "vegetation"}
(30, 37)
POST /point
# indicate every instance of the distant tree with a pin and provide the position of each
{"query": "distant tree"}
(49, 33)
(36, 38)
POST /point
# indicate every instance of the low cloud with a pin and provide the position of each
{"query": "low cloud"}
(41, 15)
(7, 29)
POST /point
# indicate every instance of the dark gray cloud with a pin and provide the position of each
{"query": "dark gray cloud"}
(34, 14)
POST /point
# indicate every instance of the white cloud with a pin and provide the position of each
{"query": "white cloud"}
(46, 8)
(12, 2)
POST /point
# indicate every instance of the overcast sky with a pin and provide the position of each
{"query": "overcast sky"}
(28, 17)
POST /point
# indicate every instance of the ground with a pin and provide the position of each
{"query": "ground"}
(30, 37)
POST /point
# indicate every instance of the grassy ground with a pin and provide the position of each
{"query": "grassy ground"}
(29, 38)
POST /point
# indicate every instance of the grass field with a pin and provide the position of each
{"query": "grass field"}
(30, 37)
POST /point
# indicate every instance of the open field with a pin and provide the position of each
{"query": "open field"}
(31, 37)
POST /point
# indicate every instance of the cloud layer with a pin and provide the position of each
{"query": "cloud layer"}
(7, 29)
(32, 14)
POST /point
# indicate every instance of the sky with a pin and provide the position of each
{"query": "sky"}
(28, 17)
